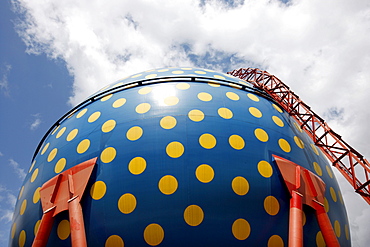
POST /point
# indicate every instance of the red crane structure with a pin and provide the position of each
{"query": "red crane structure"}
(350, 163)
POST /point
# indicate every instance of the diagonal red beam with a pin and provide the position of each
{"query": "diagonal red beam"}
(328, 141)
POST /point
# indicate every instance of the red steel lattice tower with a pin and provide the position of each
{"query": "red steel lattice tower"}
(350, 163)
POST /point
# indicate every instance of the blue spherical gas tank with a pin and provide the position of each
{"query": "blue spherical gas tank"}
(184, 158)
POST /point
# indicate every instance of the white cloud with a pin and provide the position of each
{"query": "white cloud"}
(4, 73)
(318, 47)
(16, 168)
(7, 204)
(37, 121)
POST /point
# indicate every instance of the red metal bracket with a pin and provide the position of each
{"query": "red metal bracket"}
(307, 188)
(64, 192)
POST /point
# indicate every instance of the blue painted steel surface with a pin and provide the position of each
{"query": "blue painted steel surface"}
(194, 178)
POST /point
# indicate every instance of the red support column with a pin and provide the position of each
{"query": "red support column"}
(326, 228)
(76, 221)
(295, 221)
(46, 224)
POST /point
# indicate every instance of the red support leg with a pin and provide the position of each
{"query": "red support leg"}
(295, 221)
(46, 224)
(76, 221)
(326, 228)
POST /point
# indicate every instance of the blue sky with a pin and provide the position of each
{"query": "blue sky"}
(34, 93)
(53, 54)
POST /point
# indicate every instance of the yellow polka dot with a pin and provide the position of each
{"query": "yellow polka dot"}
(137, 75)
(102, 89)
(34, 175)
(127, 203)
(240, 186)
(236, 142)
(241, 229)
(143, 108)
(207, 141)
(134, 133)
(45, 148)
(337, 228)
(232, 96)
(255, 112)
(204, 173)
(328, 170)
(193, 215)
(108, 155)
(55, 130)
(168, 184)
(23, 207)
(271, 205)
(320, 242)
(108, 126)
(81, 113)
(32, 165)
(277, 121)
(314, 148)
(168, 122)
(120, 83)
(186, 68)
(174, 149)
(93, 117)
(22, 238)
(145, 90)
(326, 205)
(317, 168)
(277, 108)
(98, 190)
(298, 127)
(200, 72)
(114, 241)
(346, 230)
(183, 86)
(107, 97)
(219, 77)
(21, 192)
(204, 96)
(59, 166)
(340, 197)
(298, 142)
(253, 97)
(244, 83)
(275, 241)
(261, 135)
(265, 169)
(36, 195)
(333, 194)
(151, 76)
(119, 102)
(137, 165)
(52, 154)
(196, 115)
(14, 227)
(225, 113)
(284, 145)
(61, 132)
(63, 229)
(213, 84)
(153, 234)
(172, 100)
(83, 146)
(162, 70)
(72, 135)
(178, 72)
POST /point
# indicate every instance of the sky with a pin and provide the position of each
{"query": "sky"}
(54, 54)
